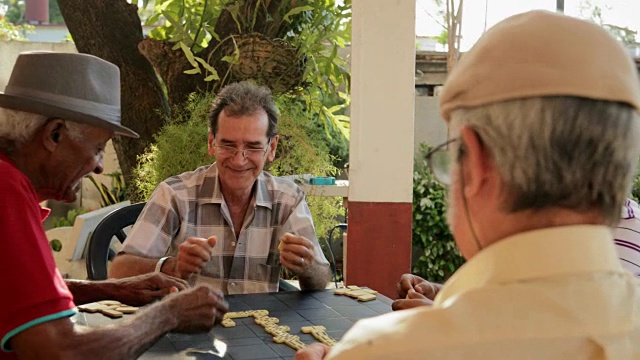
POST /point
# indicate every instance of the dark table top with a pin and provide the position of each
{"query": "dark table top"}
(248, 340)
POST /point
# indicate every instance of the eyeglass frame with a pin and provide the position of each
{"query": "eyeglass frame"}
(443, 177)
(264, 150)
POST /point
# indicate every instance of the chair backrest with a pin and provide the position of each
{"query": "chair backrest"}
(97, 255)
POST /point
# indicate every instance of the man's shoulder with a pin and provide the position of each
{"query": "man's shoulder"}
(280, 184)
(273, 189)
(192, 178)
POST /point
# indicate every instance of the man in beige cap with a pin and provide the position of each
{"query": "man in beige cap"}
(56, 115)
(544, 123)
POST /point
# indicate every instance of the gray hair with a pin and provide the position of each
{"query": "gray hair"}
(567, 152)
(244, 98)
(17, 127)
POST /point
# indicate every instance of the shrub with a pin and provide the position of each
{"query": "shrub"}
(439, 257)
(68, 220)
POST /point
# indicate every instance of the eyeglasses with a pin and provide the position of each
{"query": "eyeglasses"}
(253, 154)
(439, 160)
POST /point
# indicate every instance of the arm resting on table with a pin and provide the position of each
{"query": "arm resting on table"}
(193, 310)
(61, 339)
(136, 290)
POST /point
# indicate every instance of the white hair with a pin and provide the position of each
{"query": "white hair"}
(19, 126)
(568, 152)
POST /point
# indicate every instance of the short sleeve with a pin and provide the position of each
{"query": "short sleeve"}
(33, 289)
(156, 226)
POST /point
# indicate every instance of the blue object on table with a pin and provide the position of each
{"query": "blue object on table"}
(322, 180)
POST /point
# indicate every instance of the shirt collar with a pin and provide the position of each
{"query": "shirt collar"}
(535, 254)
(211, 193)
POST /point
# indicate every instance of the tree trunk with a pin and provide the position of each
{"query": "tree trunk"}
(454, 27)
(111, 30)
(170, 65)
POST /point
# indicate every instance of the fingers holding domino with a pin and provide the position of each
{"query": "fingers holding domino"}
(295, 252)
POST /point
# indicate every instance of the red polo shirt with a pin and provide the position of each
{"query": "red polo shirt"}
(33, 291)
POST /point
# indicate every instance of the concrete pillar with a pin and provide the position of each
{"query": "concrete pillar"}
(378, 249)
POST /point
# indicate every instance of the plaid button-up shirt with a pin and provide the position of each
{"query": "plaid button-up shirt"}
(191, 204)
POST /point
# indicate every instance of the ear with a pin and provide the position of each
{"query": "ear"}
(211, 149)
(478, 163)
(51, 134)
(271, 154)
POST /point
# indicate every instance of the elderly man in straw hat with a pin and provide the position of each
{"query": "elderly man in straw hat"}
(544, 124)
(56, 115)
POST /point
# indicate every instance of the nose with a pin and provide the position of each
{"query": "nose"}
(100, 165)
(239, 155)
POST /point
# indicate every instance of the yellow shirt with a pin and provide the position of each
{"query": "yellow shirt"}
(556, 293)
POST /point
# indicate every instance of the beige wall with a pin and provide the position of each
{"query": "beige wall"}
(8, 53)
(428, 125)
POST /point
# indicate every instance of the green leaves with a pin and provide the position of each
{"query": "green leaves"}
(295, 11)
(117, 193)
(317, 29)
(68, 220)
(190, 22)
(439, 257)
(11, 32)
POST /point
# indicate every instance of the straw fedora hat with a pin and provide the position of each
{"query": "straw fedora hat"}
(76, 87)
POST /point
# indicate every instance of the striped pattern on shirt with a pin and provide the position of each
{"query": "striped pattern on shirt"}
(627, 237)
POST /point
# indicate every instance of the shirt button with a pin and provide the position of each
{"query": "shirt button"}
(233, 243)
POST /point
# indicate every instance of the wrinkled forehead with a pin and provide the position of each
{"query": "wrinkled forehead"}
(252, 126)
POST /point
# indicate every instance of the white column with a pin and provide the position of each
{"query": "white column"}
(382, 100)
(381, 153)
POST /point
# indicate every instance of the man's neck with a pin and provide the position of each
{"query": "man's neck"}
(25, 160)
(528, 220)
(237, 199)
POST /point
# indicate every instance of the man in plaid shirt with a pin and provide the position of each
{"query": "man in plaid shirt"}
(229, 224)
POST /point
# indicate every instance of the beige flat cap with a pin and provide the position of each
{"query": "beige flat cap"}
(540, 53)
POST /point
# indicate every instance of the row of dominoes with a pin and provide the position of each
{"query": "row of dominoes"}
(280, 333)
(356, 292)
(320, 333)
(110, 308)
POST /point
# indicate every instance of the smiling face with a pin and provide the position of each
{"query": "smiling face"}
(238, 173)
(70, 160)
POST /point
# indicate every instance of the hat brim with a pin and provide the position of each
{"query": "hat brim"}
(34, 106)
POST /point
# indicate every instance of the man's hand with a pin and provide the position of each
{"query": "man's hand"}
(143, 289)
(414, 291)
(315, 351)
(193, 254)
(197, 309)
(413, 299)
(296, 253)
